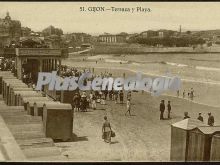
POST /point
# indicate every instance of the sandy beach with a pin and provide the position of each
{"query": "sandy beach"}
(142, 136)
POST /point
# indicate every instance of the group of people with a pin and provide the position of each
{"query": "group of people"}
(190, 94)
(81, 102)
(7, 64)
(67, 71)
(162, 109)
(186, 115)
(210, 122)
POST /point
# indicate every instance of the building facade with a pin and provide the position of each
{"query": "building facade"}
(51, 30)
(158, 34)
(10, 31)
(25, 31)
(110, 38)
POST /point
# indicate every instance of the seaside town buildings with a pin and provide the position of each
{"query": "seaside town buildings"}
(159, 33)
(12, 33)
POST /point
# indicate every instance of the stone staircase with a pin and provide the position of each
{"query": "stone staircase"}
(29, 135)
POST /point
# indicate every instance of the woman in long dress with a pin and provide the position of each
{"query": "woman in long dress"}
(106, 130)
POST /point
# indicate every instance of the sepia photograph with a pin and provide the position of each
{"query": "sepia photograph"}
(109, 81)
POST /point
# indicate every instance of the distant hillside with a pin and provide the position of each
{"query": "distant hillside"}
(206, 33)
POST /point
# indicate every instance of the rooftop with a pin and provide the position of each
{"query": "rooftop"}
(188, 124)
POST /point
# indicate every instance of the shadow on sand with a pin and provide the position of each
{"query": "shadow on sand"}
(114, 142)
(130, 115)
(100, 109)
(74, 138)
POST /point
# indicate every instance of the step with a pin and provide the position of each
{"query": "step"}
(12, 113)
(35, 143)
(23, 135)
(41, 152)
(58, 158)
(16, 118)
(25, 119)
(26, 127)
(24, 122)
(13, 107)
(14, 153)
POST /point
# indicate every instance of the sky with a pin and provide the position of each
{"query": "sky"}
(68, 17)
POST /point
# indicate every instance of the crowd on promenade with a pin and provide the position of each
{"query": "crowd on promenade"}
(89, 100)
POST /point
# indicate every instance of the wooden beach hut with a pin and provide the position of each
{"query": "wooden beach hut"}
(30, 105)
(27, 99)
(38, 106)
(58, 121)
(199, 144)
(180, 138)
(215, 148)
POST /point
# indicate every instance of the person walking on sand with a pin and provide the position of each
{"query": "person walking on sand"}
(121, 97)
(211, 119)
(162, 109)
(106, 130)
(128, 107)
(129, 95)
(192, 94)
(116, 97)
(177, 93)
(184, 94)
(169, 109)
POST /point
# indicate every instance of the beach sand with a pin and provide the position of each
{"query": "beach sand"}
(142, 136)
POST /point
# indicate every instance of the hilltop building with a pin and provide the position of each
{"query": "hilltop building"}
(76, 39)
(51, 30)
(111, 38)
(158, 34)
(10, 31)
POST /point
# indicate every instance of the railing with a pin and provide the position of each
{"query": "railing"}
(36, 52)
(9, 52)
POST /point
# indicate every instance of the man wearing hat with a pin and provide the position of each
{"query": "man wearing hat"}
(200, 117)
(162, 109)
(210, 119)
(168, 109)
(186, 115)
